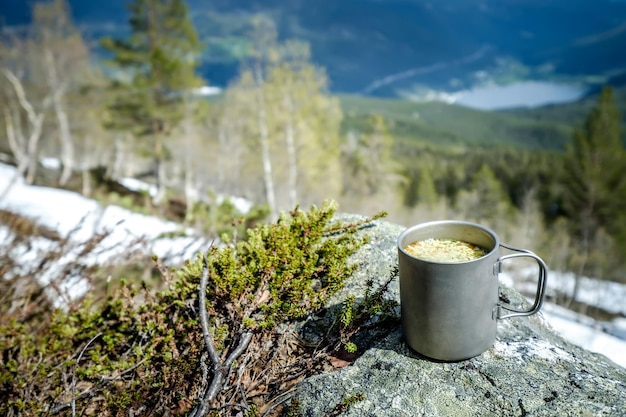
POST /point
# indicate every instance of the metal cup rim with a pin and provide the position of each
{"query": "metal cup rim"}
(435, 223)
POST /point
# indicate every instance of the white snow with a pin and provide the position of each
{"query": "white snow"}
(242, 205)
(67, 212)
(79, 218)
(134, 184)
(607, 338)
(51, 163)
(207, 91)
(585, 332)
(610, 296)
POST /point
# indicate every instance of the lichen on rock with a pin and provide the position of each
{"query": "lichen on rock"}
(529, 371)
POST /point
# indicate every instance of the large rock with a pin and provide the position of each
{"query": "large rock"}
(530, 371)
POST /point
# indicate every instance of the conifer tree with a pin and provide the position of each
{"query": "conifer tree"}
(486, 201)
(594, 184)
(156, 70)
(367, 159)
(426, 191)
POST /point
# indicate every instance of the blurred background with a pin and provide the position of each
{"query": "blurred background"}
(219, 115)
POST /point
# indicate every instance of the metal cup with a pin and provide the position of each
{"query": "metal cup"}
(450, 310)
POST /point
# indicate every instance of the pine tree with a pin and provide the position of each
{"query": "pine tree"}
(426, 191)
(594, 185)
(156, 70)
(486, 201)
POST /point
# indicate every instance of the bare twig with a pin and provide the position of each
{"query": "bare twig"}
(243, 344)
(204, 319)
(125, 371)
(219, 369)
(281, 399)
(73, 402)
(33, 117)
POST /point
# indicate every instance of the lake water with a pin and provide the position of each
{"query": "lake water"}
(520, 94)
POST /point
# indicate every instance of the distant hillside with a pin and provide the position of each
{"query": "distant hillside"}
(381, 47)
(574, 112)
(378, 48)
(440, 124)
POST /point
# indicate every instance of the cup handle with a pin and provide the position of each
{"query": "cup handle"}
(541, 285)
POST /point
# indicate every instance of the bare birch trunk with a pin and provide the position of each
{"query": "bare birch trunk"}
(57, 89)
(86, 179)
(270, 193)
(291, 154)
(229, 165)
(33, 143)
(221, 162)
(188, 169)
(586, 248)
(19, 171)
(159, 196)
(15, 137)
(581, 269)
(35, 119)
(190, 195)
(28, 161)
(115, 168)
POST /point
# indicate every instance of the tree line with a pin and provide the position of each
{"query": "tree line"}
(569, 205)
(277, 136)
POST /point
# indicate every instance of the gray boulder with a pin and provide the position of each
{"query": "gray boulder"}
(530, 371)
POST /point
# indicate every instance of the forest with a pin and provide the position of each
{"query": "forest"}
(548, 179)
(279, 138)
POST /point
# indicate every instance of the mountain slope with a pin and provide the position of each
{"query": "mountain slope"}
(441, 124)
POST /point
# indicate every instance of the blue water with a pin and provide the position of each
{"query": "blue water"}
(520, 94)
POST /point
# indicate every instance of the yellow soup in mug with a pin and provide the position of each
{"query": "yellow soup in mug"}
(445, 250)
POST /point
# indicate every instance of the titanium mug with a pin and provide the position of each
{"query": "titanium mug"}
(450, 310)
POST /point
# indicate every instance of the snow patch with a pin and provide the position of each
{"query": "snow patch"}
(70, 213)
(587, 333)
(51, 163)
(136, 185)
(80, 219)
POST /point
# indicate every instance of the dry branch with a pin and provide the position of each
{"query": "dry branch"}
(219, 369)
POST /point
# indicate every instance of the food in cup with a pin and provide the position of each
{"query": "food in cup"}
(445, 250)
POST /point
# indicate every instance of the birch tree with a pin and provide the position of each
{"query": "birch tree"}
(308, 123)
(64, 61)
(24, 124)
(263, 54)
(43, 66)
(280, 108)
